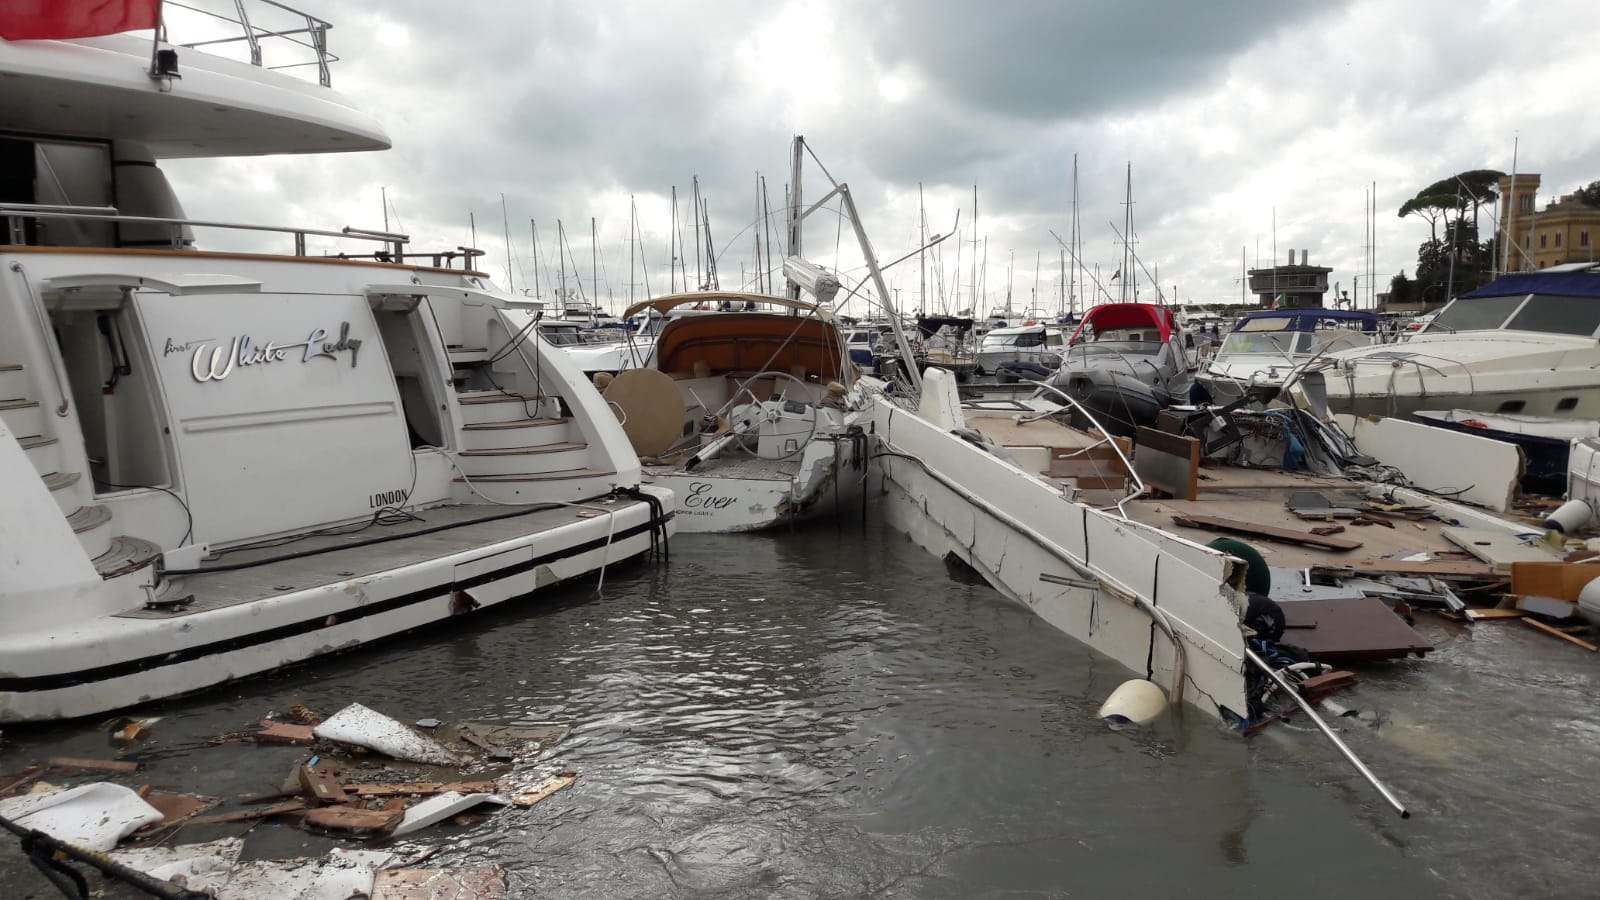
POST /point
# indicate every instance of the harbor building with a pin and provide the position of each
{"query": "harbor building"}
(1290, 286)
(1565, 231)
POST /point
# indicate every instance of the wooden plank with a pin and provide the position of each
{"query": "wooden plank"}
(1268, 532)
(176, 807)
(1474, 615)
(15, 782)
(1556, 632)
(320, 786)
(419, 788)
(1168, 462)
(471, 883)
(93, 765)
(1438, 568)
(283, 733)
(1350, 629)
(526, 798)
(354, 822)
(250, 815)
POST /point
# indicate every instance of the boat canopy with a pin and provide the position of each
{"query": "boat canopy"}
(714, 300)
(752, 342)
(1307, 320)
(1109, 316)
(1585, 283)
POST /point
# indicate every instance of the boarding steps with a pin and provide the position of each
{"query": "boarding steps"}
(516, 447)
(114, 556)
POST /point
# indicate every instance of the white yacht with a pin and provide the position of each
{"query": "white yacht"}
(1525, 344)
(1038, 344)
(218, 463)
(1264, 347)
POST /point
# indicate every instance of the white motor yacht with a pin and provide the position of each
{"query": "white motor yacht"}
(1264, 347)
(215, 464)
(1527, 344)
(1036, 344)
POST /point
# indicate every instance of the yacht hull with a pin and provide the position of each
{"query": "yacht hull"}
(89, 667)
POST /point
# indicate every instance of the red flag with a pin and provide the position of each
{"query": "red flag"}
(34, 20)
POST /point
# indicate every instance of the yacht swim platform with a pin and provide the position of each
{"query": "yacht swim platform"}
(350, 556)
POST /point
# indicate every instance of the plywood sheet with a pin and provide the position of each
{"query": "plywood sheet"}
(1339, 630)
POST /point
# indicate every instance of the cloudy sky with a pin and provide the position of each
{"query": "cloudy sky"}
(1232, 115)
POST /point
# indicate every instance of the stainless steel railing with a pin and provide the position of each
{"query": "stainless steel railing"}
(14, 217)
(300, 29)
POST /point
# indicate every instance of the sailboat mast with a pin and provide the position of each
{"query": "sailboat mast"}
(630, 250)
(594, 261)
(505, 224)
(1127, 237)
(975, 299)
(383, 197)
(766, 226)
(533, 229)
(672, 246)
(561, 254)
(699, 280)
(922, 251)
(796, 158)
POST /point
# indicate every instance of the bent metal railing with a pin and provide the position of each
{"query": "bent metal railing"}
(302, 29)
(16, 218)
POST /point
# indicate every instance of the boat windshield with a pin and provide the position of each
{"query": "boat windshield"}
(1115, 348)
(1558, 315)
(1475, 314)
(1277, 343)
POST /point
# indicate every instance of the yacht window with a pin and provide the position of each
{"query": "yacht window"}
(1030, 339)
(1475, 314)
(1558, 315)
(1567, 404)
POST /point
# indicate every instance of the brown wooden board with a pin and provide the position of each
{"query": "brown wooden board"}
(250, 815)
(1556, 632)
(1438, 568)
(1269, 532)
(1561, 580)
(283, 733)
(1168, 462)
(402, 789)
(472, 883)
(1350, 629)
(354, 822)
(93, 765)
(320, 786)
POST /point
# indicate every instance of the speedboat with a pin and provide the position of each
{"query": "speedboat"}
(1036, 344)
(751, 417)
(217, 463)
(1125, 363)
(1264, 347)
(1524, 344)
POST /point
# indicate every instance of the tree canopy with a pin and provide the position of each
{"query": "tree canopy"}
(1589, 194)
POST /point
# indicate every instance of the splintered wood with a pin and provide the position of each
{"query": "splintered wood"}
(527, 798)
(1269, 532)
(476, 883)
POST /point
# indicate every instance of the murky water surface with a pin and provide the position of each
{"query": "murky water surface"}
(828, 713)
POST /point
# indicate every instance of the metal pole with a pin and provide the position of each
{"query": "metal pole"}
(1317, 720)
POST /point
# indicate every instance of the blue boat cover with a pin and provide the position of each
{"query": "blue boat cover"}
(1562, 284)
(1307, 319)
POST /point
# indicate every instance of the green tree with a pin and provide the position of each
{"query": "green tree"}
(1401, 288)
(1589, 194)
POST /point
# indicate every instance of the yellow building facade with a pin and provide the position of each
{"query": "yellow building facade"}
(1566, 231)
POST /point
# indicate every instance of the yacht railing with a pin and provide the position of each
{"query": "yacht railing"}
(14, 218)
(307, 31)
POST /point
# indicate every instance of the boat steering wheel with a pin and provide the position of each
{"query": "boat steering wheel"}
(744, 390)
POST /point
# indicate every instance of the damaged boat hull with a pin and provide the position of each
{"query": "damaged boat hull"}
(1078, 568)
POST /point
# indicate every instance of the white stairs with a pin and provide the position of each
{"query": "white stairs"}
(516, 448)
(113, 555)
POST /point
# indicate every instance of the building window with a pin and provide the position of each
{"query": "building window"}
(1558, 239)
(1583, 238)
(1542, 239)
(1525, 202)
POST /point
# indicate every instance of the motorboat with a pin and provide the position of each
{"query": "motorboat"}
(1264, 347)
(753, 418)
(219, 463)
(1527, 343)
(1036, 344)
(1546, 443)
(1126, 362)
(943, 344)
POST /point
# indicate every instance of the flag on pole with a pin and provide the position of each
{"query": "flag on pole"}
(1277, 302)
(1117, 275)
(38, 20)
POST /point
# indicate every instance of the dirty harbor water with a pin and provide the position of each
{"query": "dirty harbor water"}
(830, 713)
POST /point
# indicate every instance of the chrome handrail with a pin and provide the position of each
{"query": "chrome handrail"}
(42, 319)
(315, 29)
(395, 245)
